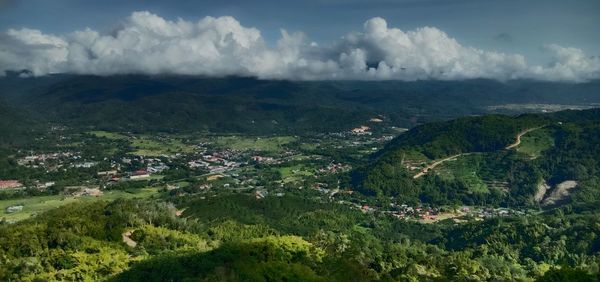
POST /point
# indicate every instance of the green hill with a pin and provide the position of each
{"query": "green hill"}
(471, 160)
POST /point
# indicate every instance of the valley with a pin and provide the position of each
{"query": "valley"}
(415, 195)
(288, 141)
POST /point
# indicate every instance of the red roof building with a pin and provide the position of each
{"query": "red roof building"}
(8, 184)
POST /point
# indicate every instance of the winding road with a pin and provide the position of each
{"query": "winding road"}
(436, 163)
(518, 141)
(439, 162)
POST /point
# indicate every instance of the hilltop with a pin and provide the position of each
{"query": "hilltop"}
(494, 159)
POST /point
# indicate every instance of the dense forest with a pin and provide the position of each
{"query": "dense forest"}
(307, 231)
(247, 105)
(238, 238)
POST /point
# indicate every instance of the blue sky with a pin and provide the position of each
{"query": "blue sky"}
(508, 26)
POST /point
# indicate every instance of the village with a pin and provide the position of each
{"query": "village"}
(96, 164)
(72, 164)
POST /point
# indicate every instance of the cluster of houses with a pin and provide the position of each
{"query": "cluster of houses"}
(432, 214)
(217, 162)
(405, 211)
(15, 184)
(335, 168)
(152, 166)
(52, 161)
(264, 160)
(361, 130)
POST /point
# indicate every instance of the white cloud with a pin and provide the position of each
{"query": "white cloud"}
(149, 44)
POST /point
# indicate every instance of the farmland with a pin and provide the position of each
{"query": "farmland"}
(36, 205)
(242, 143)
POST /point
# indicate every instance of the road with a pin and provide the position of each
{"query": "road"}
(439, 162)
(518, 141)
(436, 163)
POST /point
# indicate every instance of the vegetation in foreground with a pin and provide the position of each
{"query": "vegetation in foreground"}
(291, 238)
(297, 222)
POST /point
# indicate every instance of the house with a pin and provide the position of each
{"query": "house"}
(107, 173)
(261, 159)
(84, 165)
(10, 184)
(139, 174)
(363, 129)
(45, 185)
(157, 168)
(261, 194)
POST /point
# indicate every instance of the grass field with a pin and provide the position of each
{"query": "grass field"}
(266, 144)
(535, 142)
(145, 146)
(108, 135)
(36, 205)
(294, 173)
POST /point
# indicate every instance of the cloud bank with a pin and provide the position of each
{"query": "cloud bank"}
(148, 44)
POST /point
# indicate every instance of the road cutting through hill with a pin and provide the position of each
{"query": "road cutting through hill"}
(454, 157)
(518, 140)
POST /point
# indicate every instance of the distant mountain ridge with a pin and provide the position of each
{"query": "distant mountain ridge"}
(247, 105)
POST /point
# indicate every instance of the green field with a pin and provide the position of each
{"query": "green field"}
(464, 169)
(36, 205)
(146, 146)
(535, 142)
(108, 135)
(294, 173)
(266, 144)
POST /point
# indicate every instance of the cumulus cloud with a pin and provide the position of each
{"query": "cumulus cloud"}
(148, 44)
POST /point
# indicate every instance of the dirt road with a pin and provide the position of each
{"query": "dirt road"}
(518, 141)
(436, 163)
(439, 162)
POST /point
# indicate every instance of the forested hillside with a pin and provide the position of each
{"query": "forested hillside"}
(475, 163)
(247, 105)
(14, 125)
(239, 238)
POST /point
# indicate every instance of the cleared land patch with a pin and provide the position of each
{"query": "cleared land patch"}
(145, 146)
(464, 169)
(40, 204)
(294, 173)
(535, 142)
(109, 135)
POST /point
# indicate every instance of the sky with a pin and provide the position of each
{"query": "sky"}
(311, 39)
